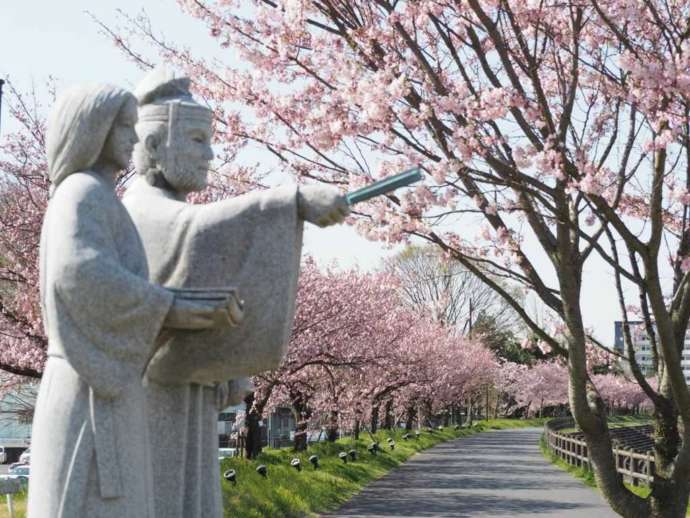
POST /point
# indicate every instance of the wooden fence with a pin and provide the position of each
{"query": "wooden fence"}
(635, 466)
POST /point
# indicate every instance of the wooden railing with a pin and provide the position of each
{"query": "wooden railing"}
(635, 466)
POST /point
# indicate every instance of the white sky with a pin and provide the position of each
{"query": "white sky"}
(42, 38)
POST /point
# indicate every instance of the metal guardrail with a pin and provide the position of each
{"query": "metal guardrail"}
(635, 466)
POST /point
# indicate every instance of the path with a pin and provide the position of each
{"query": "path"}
(492, 474)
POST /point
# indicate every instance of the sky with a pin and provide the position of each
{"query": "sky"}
(41, 39)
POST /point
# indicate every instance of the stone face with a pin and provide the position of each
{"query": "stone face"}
(90, 451)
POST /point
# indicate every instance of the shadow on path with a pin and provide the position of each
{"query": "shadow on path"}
(493, 474)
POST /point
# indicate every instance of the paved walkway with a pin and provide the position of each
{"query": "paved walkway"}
(493, 474)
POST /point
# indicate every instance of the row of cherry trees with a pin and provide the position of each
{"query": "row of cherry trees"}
(360, 358)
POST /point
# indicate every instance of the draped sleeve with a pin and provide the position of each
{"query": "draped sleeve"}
(253, 243)
(102, 316)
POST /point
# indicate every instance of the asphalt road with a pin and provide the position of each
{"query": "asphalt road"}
(497, 474)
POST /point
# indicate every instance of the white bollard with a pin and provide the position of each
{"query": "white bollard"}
(10, 505)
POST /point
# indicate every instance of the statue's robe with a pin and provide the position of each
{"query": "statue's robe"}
(90, 447)
(251, 242)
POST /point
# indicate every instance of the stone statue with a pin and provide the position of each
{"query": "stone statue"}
(90, 446)
(252, 242)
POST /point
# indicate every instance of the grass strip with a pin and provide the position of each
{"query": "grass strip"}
(287, 493)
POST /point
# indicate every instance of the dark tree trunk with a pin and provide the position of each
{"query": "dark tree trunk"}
(486, 405)
(355, 432)
(411, 414)
(389, 418)
(302, 415)
(446, 418)
(252, 445)
(332, 428)
(667, 498)
(375, 417)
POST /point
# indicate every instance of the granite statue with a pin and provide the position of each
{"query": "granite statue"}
(90, 445)
(252, 242)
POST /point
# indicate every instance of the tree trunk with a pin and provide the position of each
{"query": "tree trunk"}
(332, 427)
(486, 406)
(426, 416)
(252, 443)
(389, 418)
(302, 414)
(374, 417)
(358, 426)
(668, 497)
(409, 421)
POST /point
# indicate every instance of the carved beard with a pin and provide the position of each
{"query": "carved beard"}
(176, 178)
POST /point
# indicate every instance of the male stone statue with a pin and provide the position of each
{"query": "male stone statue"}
(252, 242)
(101, 315)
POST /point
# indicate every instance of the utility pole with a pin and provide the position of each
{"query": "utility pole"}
(2, 83)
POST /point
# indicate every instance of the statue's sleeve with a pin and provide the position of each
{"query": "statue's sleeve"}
(253, 243)
(117, 312)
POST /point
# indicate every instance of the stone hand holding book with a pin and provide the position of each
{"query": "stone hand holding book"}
(229, 308)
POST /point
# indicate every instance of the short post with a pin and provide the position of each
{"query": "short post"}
(10, 505)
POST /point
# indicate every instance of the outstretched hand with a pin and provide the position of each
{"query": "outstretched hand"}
(322, 205)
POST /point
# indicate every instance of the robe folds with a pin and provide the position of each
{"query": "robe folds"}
(251, 242)
(90, 445)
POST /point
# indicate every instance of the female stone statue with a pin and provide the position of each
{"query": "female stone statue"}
(90, 453)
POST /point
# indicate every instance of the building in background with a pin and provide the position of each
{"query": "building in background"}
(643, 348)
(277, 429)
(618, 337)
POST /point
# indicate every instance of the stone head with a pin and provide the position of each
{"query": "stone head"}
(90, 124)
(174, 134)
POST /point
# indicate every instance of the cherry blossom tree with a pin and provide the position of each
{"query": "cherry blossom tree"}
(343, 323)
(358, 358)
(621, 393)
(23, 198)
(553, 134)
(539, 386)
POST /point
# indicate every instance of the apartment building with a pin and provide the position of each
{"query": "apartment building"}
(643, 347)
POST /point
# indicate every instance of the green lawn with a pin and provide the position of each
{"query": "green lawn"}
(19, 506)
(285, 492)
(288, 493)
